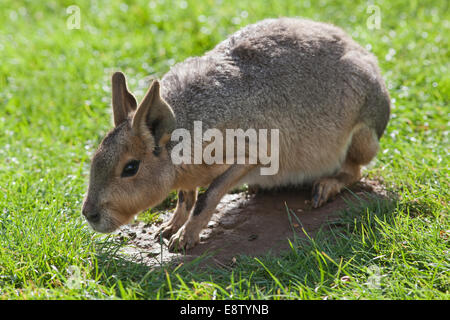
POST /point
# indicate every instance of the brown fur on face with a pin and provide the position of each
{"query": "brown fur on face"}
(113, 199)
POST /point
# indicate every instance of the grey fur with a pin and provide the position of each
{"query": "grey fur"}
(310, 80)
(280, 73)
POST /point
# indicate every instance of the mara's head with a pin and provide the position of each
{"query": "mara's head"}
(131, 170)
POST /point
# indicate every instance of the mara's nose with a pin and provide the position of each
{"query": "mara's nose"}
(90, 213)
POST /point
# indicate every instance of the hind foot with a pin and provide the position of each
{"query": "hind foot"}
(364, 146)
(325, 189)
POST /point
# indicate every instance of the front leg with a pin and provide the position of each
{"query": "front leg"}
(189, 234)
(185, 202)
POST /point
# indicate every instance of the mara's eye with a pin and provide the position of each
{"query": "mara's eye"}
(131, 168)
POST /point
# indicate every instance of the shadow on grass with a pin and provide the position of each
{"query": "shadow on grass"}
(312, 258)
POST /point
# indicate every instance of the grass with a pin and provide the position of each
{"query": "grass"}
(54, 109)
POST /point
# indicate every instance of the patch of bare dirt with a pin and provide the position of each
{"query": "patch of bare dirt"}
(249, 224)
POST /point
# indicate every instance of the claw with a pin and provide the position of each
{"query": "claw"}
(324, 190)
(182, 241)
(316, 195)
(166, 230)
(160, 233)
(177, 242)
(173, 244)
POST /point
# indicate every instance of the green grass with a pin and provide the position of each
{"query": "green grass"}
(55, 107)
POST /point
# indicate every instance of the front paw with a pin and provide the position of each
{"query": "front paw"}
(166, 231)
(183, 240)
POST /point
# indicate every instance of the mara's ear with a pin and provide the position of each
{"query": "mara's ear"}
(123, 101)
(156, 115)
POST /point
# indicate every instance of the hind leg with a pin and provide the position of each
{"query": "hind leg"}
(362, 150)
